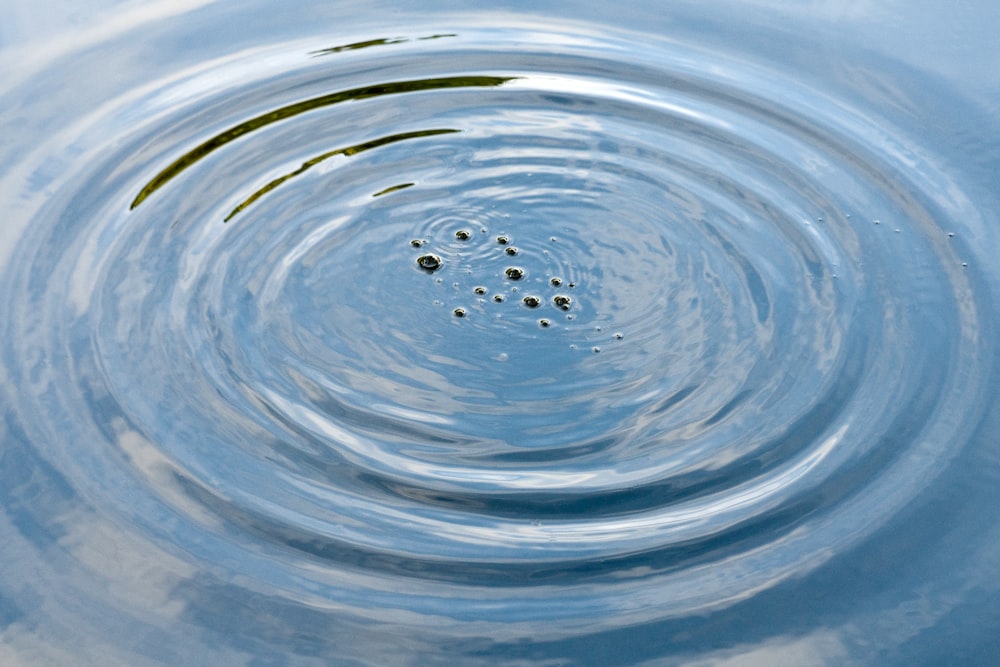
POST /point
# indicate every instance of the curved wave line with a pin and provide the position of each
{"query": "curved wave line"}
(290, 110)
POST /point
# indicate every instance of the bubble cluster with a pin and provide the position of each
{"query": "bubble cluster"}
(495, 280)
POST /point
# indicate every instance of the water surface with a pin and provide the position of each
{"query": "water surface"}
(344, 334)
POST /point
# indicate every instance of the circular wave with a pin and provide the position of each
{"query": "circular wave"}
(683, 330)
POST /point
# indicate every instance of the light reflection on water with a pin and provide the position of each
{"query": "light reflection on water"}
(242, 424)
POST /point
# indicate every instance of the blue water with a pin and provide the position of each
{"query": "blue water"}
(272, 394)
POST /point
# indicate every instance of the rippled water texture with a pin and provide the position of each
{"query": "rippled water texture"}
(344, 335)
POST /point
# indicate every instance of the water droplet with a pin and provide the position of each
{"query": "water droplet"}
(514, 273)
(429, 262)
(562, 301)
(510, 250)
(499, 298)
(544, 324)
(503, 356)
(596, 349)
(532, 301)
(459, 312)
(877, 222)
(463, 234)
(619, 335)
(552, 238)
(479, 290)
(951, 235)
(965, 265)
(503, 240)
(555, 281)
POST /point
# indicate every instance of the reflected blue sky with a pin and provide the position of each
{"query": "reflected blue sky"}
(764, 433)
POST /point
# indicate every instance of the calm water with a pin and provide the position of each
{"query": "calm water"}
(590, 334)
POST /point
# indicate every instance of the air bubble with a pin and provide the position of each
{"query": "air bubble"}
(416, 243)
(619, 335)
(463, 235)
(544, 324)
(951, 235)
(596, 349)
(503, 240)
(510, 250)
(555, 281)
(562, 301)
(514, 273)
(499, 298)
(459, 312)
(479, 290)
(429, 262)
(532, 301)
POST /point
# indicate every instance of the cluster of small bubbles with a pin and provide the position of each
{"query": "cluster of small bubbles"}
(431, 263)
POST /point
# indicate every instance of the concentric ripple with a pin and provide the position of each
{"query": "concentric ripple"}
(445, 325)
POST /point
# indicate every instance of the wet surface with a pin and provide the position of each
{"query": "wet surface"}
(353, 334)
